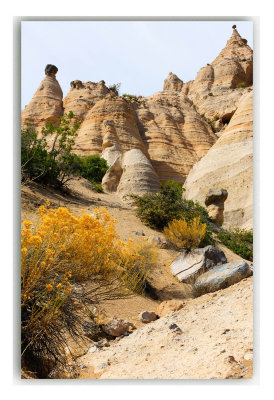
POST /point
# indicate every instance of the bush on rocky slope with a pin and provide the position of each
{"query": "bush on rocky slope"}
(49, 163)
(158, 210)
(240, 241)
(93, 168)
(55, 163)
(185, 235)
(67, 263)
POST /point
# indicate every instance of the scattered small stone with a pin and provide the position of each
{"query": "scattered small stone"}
(175, 328)
(93, 349)
(147, 316)
(160, 242)
(241, 367)
(117, 327)
(101, 343)
(140, 233)
(102, 365)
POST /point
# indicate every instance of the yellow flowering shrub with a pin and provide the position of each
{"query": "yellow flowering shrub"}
(186, 235)
(63, 252)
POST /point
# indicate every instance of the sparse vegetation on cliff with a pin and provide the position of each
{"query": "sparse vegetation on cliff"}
(115, 87)
(130, 97)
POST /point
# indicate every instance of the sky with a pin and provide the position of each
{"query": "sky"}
(139, 54)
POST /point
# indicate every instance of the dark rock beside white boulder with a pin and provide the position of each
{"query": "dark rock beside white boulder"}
(188, 266)
(221, 277)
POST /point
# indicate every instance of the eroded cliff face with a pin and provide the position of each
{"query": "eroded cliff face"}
(91, 131)
(170, 133)
(83, 96)
(228, 165)
(219, 86)
(46, 104)
(165, 127)
(175, 135)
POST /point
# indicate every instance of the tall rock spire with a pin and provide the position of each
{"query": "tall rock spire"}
(236, 48)
(232, 69)
(46, 104)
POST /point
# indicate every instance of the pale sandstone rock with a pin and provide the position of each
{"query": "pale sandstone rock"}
(221, 277)
(112, 177)
(228, 165)
(169, 306)
(138, 176)
(130, 172)
(83, 96)
(214, 90)
(92, 130)
(214, 202)
(46, 104)
(112, 149)
(165, 127)
(173, 83)
(175, 135)
(188, 266)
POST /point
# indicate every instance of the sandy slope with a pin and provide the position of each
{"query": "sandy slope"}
(154, 351)
(215, 342)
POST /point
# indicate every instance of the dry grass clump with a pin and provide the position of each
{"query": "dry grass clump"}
(186, 235)
(67, 263)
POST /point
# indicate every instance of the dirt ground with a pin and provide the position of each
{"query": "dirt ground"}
(210, 318)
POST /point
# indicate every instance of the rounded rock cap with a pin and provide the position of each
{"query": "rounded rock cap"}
(51, 70)
(215, 195)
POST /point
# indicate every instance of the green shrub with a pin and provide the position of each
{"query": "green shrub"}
(50, 163)
(158, 210)
(239, 241)
(55, 163)
(115, 87)
(210, 94)
(93, 168)
(98, 187)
